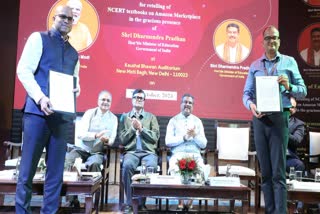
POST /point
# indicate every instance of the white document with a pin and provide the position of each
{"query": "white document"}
(61, 92)
(222, 181)
(268, 94)
(165, 179)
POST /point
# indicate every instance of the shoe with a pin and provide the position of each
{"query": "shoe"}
(190, 205)
(128, 209)
(74, 202)
(180, 207)
(142, 208)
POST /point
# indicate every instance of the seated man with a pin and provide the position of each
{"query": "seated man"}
(296, 129)
(139, 134)
(98, 127)
(185, 136)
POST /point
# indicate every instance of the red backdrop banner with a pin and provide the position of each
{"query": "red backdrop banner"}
(165, 47)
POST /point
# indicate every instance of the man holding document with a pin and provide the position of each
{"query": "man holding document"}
(272, 80)
(44, 53)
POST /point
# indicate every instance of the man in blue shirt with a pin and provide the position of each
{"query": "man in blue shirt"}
(271, 132)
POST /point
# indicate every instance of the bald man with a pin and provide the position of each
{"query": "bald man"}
(44, 128)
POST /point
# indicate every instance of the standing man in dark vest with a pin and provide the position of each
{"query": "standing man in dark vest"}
(44, 128)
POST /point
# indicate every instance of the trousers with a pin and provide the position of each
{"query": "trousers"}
(39, 133)
(271, 135)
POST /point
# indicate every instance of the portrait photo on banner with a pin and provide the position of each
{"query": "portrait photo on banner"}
(86, 23)
(232, 41)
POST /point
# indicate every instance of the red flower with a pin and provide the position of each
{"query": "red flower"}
(187, 166)
(192, 165)
(182, 164)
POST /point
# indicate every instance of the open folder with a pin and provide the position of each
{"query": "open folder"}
(268, 94)
(61, 94)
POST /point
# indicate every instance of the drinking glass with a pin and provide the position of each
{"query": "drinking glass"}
(292, 174)
(317, 175)
(299, 175)
(150, 170)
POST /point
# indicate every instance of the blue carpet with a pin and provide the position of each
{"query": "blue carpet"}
(37, 201)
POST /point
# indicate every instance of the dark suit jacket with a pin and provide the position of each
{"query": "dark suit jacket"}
(296, 130)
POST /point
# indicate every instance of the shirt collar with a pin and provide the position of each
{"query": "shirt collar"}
(134, 112)
(275, 59)
(56, 33)
(99, 112)
(184, 117)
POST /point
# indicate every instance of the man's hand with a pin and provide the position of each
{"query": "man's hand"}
(46, 105)
(191, 132)
(136, 124)
(255, 112)
(105, 140)
(101, 136)
(283, 80)
(77, 91)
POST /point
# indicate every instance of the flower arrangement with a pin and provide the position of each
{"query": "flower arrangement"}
(188, 166)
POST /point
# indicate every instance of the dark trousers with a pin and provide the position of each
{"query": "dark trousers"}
(39, 133)
(271, 137)
(294, 161)
(92, 161)
(130, 162)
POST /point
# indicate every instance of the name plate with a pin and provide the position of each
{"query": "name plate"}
(306, 186)
(224, 181)
(7, 174)
(70, 176)
(165, 179)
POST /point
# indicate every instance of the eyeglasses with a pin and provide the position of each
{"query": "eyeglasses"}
(268, 38)
(105, 100)
(64, 17)
(138, 98)
(188, 102)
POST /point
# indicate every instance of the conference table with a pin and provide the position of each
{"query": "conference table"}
(180, 191)
(307, 195)
(89, 188)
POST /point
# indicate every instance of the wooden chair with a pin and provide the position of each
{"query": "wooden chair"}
(13, 150)
(233, 147)
(311, 157)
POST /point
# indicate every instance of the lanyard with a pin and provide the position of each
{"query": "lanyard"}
(272, 69)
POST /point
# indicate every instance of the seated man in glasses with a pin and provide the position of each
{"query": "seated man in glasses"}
(139, 134)
(296, 135)
(97, 128)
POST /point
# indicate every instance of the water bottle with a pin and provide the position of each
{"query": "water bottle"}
(228, 173)
(317, 175)
(16, 173)
(143, 169)
(292, 174)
